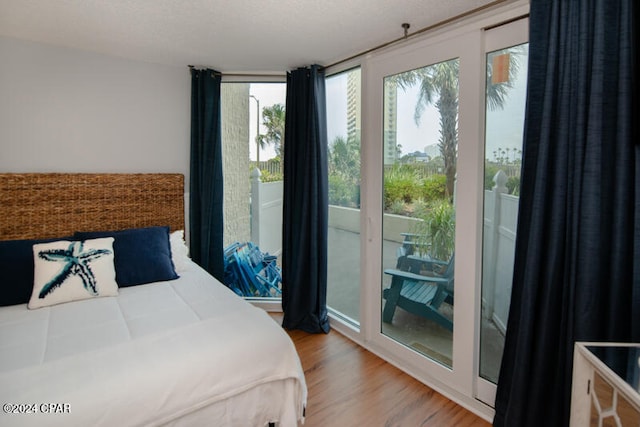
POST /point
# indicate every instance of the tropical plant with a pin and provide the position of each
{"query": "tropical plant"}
(344, 158)
(513, 185)
(400, 183)
(439, 87)
(343, 192)
(344, 172)
(397, 207)
(434, 187)
(267, 176)
(273, 119)
(420, 205)
(436, 230)
(490, 171)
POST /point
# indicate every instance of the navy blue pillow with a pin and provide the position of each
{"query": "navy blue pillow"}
(16, 265)
(141, 255)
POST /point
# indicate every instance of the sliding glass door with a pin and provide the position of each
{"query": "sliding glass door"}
(422, 199)
(506, 53)
(420, 143)
(440, 117)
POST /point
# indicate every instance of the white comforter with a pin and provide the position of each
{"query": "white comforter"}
(187, 352)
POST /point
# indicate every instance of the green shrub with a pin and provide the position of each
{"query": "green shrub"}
(420, 207)
(434, 188)
(267, 176)
(490, 170)
(513, 184)
(343, 192)
(400, 183)
(437, 230)
(397, 207)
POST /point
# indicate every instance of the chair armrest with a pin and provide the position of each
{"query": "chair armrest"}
(427, 260)
(412, 243)
(409, 234)
(416, 277)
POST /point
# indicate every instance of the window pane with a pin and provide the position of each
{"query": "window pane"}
(505, 98)
(343, 130)
(420, 151)
(252, 140)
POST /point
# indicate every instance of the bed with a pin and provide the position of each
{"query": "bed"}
(182, 351)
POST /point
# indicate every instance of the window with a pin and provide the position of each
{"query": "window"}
(343, 132)
(420, 137)
(252, 145)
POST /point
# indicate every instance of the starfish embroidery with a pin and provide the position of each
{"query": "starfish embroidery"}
(76, 263)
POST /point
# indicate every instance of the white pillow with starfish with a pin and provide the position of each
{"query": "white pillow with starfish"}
(72, 270)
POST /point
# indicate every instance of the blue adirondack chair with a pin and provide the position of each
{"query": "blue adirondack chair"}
(417, 287)
(232, 270)
(250, 273)
(265, 269)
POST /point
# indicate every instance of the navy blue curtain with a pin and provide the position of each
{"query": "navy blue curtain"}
(576, 273)
(305, 203)
(206, 185)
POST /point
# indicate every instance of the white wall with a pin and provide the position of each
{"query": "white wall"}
(66, 110)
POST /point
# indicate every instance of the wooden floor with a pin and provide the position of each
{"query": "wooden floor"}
(349, 386)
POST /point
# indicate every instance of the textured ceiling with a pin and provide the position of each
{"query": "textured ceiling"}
(229, 35)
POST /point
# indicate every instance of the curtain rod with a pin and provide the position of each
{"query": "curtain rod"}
(406, 36)
(252, 75)
(420, 31)
(218, 73)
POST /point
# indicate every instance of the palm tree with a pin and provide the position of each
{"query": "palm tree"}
(439, 87)
(344, 171)
(344, 158)
(273, 120)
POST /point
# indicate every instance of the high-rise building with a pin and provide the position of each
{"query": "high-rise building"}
(353, 105)
(354, 113)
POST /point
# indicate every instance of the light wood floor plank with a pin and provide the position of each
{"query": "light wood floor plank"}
(350, 386)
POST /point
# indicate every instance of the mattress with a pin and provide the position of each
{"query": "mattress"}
(181, 352)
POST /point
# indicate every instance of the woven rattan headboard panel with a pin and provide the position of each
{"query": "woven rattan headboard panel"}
(41, 205)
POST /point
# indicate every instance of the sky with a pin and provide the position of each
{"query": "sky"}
(503, 126)
(268, 94)
(414, 137)
(274, 93)
(336, 89)
(411, 135)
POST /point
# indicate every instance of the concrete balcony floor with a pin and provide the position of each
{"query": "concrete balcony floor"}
(421, 334)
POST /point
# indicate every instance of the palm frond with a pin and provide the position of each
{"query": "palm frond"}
(497, 93)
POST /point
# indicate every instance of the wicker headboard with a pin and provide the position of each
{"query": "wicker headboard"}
(42, 205)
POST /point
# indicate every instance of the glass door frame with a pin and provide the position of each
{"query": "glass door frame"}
(467, 42)
(467, 47)
(504, 36)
